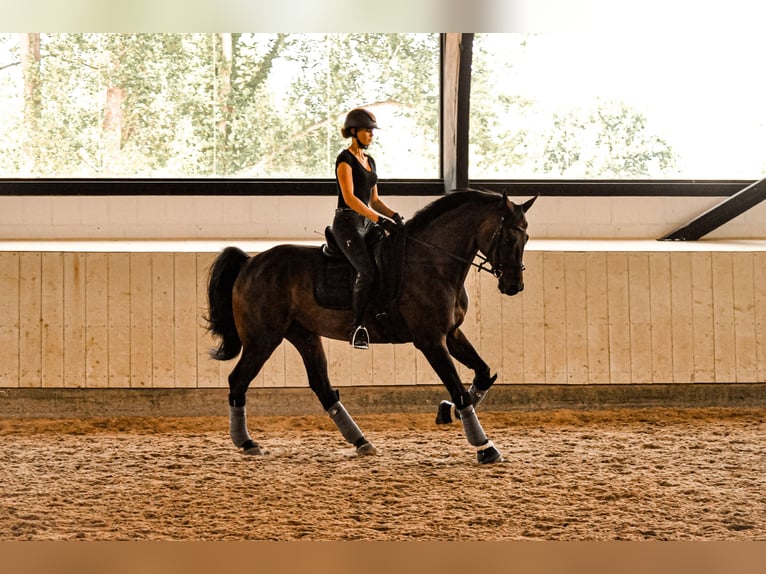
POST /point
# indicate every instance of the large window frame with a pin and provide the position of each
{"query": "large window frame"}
(455, 64)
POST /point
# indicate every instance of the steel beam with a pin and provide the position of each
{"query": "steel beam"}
(722, 213)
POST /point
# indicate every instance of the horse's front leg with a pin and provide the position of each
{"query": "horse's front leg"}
(438, 357)
(461, 348)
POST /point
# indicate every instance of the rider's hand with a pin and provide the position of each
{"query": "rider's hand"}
(387, 225)
(399, 220)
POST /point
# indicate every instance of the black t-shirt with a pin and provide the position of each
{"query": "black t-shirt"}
(364, 180)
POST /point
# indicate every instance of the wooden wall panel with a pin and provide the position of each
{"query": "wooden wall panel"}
(618, 300)
(52, 316)
(96, 321)
(511, 360)
(406, 360)
(702, 317)
(141, 320)
(118, 319)
(743, 279)
(137, 320)
(383, 365)
(723, 318)
(163, 335)
(74, 320)
(338, 362)
(186, 320)
(295, 372)
(361, 368)
(639, 318)
(576, 318)
(661, 349)
(554, 301)
(682, 316)
(759, 282)
(9, 326)
(597, 310)
(30, 319)
(533, 308)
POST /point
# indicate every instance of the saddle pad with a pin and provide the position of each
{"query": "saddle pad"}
(333, 283)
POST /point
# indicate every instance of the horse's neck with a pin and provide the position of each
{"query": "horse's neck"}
(457, 233)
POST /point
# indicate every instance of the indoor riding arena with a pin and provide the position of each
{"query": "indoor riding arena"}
(629, 404)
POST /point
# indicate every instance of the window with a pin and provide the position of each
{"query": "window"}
(213, 105)
(600, 105)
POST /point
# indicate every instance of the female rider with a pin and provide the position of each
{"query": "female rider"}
(359, 208)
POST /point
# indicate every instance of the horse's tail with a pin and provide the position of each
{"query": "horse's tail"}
(223, 273)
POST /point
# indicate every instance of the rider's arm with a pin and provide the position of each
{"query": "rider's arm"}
(378, 205)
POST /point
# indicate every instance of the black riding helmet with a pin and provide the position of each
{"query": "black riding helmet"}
(360, 118)
(357, 119)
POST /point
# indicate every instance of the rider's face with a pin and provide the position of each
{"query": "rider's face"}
(364, 135)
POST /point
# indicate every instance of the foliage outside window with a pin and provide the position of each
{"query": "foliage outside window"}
(204, 105)
(593, 105)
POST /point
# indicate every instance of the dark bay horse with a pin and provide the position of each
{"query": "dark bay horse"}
(256, 302)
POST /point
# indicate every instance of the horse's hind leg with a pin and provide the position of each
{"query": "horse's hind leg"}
(246, 369)
(309, 346)
(461, 348)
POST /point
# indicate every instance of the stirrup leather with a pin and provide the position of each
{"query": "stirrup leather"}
(360, 339)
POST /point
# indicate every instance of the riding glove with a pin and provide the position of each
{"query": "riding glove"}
(388, 225)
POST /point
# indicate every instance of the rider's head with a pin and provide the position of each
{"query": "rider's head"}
(358, 119)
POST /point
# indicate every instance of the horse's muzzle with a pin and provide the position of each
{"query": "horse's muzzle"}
(510, 287)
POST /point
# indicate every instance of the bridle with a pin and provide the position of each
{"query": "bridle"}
(486, 264)
(494, 243)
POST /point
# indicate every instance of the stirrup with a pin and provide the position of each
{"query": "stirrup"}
(360, 339)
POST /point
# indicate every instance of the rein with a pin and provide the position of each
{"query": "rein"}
(497, 271)
(479, 266)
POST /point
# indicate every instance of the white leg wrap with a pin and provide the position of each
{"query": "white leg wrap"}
(238, 426)
(346, 425)
(488, 444)
(472, 427)
(476, 395)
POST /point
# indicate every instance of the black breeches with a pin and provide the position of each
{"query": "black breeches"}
(350, 229)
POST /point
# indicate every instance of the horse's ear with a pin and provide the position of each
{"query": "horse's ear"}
(505, 200)
(527, 204)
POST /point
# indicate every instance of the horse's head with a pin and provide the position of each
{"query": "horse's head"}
(505, 247)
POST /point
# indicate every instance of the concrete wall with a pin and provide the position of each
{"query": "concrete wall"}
(234, 217)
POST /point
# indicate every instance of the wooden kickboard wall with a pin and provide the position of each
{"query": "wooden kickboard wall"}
(136, 320)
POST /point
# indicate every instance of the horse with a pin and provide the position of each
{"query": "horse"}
(257, 301)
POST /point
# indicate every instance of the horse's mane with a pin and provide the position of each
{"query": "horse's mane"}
(425, 216)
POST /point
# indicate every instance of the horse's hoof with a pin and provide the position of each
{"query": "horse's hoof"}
(366, 449)
(489, 455)
(251, 448)
(444, 413)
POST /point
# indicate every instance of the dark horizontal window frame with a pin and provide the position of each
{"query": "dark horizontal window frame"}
(326, 187)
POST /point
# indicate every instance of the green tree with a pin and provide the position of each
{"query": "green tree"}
(321, 77)
(224, 104)
(609, 141)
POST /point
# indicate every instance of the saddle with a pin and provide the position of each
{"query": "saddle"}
(335, 276)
